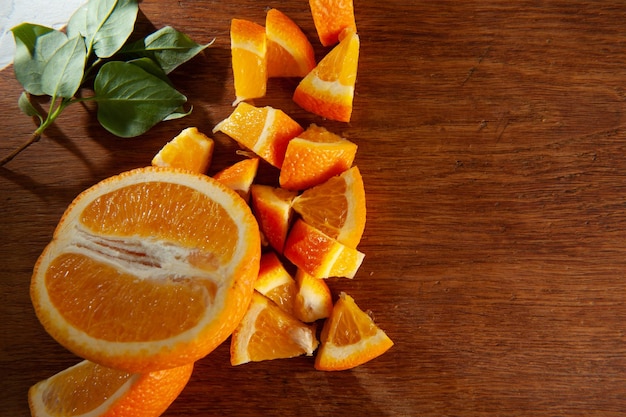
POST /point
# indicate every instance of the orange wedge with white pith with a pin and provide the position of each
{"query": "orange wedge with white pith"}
(289, 52)
(239, 176)
(266, 131)
(266, 332)
(313, 299)
(337, 207)
(91, 390)
(190, 149)
(248, 46)
(135, 246)
(318, 254)
(331, 17)
(276, 283)
(315, 156)
(272, 208)
(349, 338)
(328, 90)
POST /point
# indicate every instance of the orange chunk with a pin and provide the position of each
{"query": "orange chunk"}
(320, 255)
(276, 283)
(248, 47)
(314, 156)
(349, 338)
(239, 176)
(266, 131)
(331, 17)
(135, 245)
(272, 207)
(336, 207)
(313, 300)
(88, 389)
(289, 52)
(267, 332)
(328, 90)
(190, 150)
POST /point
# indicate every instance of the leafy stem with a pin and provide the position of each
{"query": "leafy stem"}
(130, 82)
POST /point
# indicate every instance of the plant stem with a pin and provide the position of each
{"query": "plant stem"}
(52, 115)
(34, 138)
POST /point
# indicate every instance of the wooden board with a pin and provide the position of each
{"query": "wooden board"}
(492, 144)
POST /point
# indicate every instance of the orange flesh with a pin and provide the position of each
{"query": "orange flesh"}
(138, 210)
(270, 343)
(114, 305)
(327, 206)
(331, 17)
(77, 390)
(349, 325)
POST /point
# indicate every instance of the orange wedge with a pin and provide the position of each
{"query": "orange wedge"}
(272, 207)
(239, 176)
(89, 390)
(266, 131)
(289, 52)
(148, 270)
(313, 157)
(349, 338)
(276, 283)
(331, 17)
(248, 48)
(336, 207)
(190, 150)
(267, 332)
(320, 255)
(313, 300)
(328, 90)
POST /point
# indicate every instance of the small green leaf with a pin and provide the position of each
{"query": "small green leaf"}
(105, 24)
(34, 45)
(167, 46)
(27, 107)
(131, 100)
(63, 73)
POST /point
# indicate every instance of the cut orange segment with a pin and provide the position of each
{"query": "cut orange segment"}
(336, 207)
(248, 48)
(331, 17)
(328, 90)
(190, 150)
(147, 270)
(319, 255)
(272, 207)
(276, 283)
(267, 332)
(90, 390)
(313, 300)
(314, 156)
(289, 52)
(266, 131)
(239, 176)
(349, 338)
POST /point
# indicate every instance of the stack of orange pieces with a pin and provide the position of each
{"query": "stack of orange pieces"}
(135, 244)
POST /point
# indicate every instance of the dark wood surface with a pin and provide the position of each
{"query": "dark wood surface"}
(492, 143)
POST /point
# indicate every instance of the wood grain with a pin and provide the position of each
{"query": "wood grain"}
(491, 140)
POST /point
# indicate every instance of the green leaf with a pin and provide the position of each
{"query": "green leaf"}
(34, 45)
(151, 67)
(178, 114)
(63, 73)
(27, 107)
(105, 24)
(131, 100)
(167, 46)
